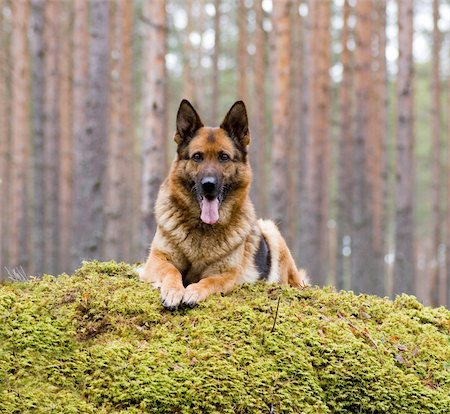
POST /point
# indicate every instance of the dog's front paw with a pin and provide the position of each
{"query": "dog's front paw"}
(194, 293)
(171, 296)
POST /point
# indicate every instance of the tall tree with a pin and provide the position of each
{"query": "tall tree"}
(436, 168)
(37, 47)
(377, 135)
(154, 144)
(258, 127)
(4, 140)
(364, 269)
(242, 55)
(280, 113)
(66, 134)
(89, 178)
(80, 76)
(405, 257)
(295, 121)
(188, 91)
(52, 136)
(128, 146)
(344, 217)
(121, 139)
(19, 234)
(315, 258)
(448, 198)
(215, 65)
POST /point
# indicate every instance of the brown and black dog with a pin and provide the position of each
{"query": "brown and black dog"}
(208, 238)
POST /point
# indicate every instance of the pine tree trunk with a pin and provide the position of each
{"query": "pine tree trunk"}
(4, 143)
(242, 56)
(315, 255)
(188, 78)
(436, 169)
(405, 260)
(377, 136)
(280, 114)
(80, 77)
(258, 127)
(295, 121)
(91, 145)
(128, 143)
(66, 135)
(344, 216)
(448, 198)
(38, 49)
(52, 136)
(364, 270)
(154, 144)
(19, 233)
(215, 66)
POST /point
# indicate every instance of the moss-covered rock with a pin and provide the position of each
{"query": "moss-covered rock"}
(99, 341)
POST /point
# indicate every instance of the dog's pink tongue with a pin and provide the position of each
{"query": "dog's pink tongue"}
(210, 211)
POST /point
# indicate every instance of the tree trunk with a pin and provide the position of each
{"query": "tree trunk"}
(436, 169)
(52, 136)
(4, 144)
(318, 148)
(38, 49)
(344, 216)
(280, 114)
(90, 150)
(80, 76)
(128, 144)
(448, 197)
(215, 66)
(258, 126)
(66, 136)
(20, 137)
(155, 102)
(364, 269)
(188, 91)
(242, 55)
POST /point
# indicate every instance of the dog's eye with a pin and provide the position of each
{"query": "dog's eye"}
(224, 157)
(197, 157)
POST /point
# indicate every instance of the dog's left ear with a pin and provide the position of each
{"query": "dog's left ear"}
(236, 124)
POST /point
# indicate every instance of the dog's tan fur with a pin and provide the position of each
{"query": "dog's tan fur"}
(209, 258)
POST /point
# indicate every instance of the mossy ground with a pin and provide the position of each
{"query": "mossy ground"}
(100, 342)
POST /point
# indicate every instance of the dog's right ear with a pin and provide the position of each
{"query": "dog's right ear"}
(188, 122)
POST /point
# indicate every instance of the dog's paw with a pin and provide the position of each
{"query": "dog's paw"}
(193, 294)
(171, 297)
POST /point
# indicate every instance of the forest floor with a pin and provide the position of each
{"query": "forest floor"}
(99, 341)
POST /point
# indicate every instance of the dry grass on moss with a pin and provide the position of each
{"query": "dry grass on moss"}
(100, 342)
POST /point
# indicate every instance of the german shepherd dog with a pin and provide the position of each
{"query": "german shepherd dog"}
(208, 238)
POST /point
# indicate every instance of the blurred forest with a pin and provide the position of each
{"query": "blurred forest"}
(349, 117)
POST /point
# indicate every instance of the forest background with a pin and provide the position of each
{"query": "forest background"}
(349, 116)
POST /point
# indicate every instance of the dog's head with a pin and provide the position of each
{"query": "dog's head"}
(212, 163)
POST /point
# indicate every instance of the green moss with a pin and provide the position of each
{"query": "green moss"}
(99, 341)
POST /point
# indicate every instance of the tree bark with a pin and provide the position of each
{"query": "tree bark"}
(52, 136)
(315, 258)
(344, 216)
(66, 135)
(4, 144)
(90, 150)
(258, 127)
(155, 103)
(215, 66)
(280, 117)
(38, 49)
(242, 55)
(80, 77)
(19, 234)
(436, 169)
(364, 269)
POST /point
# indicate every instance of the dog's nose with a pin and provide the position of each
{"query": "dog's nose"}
(209, 186)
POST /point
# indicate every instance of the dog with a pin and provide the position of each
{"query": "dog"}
(208, 239)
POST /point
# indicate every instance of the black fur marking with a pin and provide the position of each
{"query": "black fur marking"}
(263, 259)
